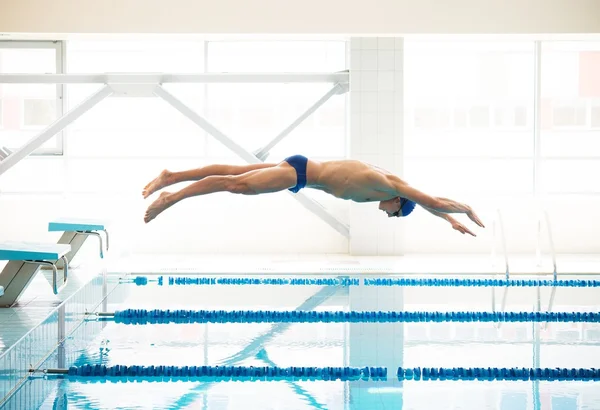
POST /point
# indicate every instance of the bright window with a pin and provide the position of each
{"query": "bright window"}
(469, 115)
(136, 127)
(26, 109)
(253, 114)
(570, 116)
(141, 136)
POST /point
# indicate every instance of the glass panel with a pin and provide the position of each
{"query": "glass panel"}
(469, 99)
(26, 109)
(253, 114)
(570, 99)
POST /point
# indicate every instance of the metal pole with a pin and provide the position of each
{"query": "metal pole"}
(537, 117)
(162, 78)
(263, 152)
(53, 129)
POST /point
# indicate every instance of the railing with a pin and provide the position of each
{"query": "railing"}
(543, 218)
(498, 221)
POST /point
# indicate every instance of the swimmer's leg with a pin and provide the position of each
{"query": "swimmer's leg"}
(166, 177)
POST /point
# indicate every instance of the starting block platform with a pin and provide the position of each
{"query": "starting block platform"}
(24, 261)
(75, 232)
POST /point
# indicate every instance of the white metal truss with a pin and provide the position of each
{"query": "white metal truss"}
(148, 85)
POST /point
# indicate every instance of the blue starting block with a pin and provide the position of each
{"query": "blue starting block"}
(75, 232)
(24, 261)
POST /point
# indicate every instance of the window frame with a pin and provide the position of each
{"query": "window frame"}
(60, 55)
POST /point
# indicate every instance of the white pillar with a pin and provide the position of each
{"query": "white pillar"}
(376, 134)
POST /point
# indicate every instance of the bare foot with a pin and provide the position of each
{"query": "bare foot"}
(161, 181)
(156, 207)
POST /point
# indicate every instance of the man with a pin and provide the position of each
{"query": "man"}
(346, 179)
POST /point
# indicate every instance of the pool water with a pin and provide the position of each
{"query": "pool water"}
(391, 345)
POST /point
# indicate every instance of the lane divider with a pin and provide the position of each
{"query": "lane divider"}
(157, 316)
(346, 281)
(255, 373)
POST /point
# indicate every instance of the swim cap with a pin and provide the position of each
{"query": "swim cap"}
(407, 206)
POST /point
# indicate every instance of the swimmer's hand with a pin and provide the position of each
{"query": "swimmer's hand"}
(461, 228)
(471, 214)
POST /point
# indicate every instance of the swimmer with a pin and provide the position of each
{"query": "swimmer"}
(349, 179)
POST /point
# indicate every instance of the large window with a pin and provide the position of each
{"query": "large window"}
(570, 117)
(157, 136)
(26, 109)
(253, 114)
(469, 116)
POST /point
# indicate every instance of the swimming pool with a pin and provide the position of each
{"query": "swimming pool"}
(437, 343)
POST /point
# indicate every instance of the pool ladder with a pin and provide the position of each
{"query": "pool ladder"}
(542, 219)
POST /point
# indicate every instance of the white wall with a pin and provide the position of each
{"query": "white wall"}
(307, 16)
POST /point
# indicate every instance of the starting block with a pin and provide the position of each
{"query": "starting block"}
(75, 232)
(25, 259)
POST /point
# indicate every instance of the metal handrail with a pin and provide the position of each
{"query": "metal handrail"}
(543, 216)
(498, 220)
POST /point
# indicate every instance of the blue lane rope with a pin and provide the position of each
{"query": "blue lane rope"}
(143, 316)
(141, 373)
(502, 374)
(345, 281)
(230, 372)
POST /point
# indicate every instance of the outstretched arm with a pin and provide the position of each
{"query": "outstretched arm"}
(455, 224)
(438, 204)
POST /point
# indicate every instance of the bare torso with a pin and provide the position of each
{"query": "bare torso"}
(350, 179)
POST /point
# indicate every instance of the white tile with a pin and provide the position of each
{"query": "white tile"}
(369, 101)
(368, 80)
(399, 101)
(370, 158)
(386, 43)
(355, 43)
(355, 80)
(385, 80)
(386, 143)
(385, 123)
(355, 129)
(399, 60)
(399, 43)
(398, 80)
(399, 157)
(385, 236)
(368, 43)
(355, 59)
(355, 135)
(385, 101)
(370, 143)
(399, 122)
(385, 160)
(368, 60)
(399, 244)
(363, 238)
(385, 60)
(368, 125)
(355, 101)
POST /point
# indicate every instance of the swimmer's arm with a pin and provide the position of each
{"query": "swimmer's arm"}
(444, 216)
(442, 205)
(455, 224)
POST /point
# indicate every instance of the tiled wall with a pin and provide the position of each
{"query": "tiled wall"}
(376, 134)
